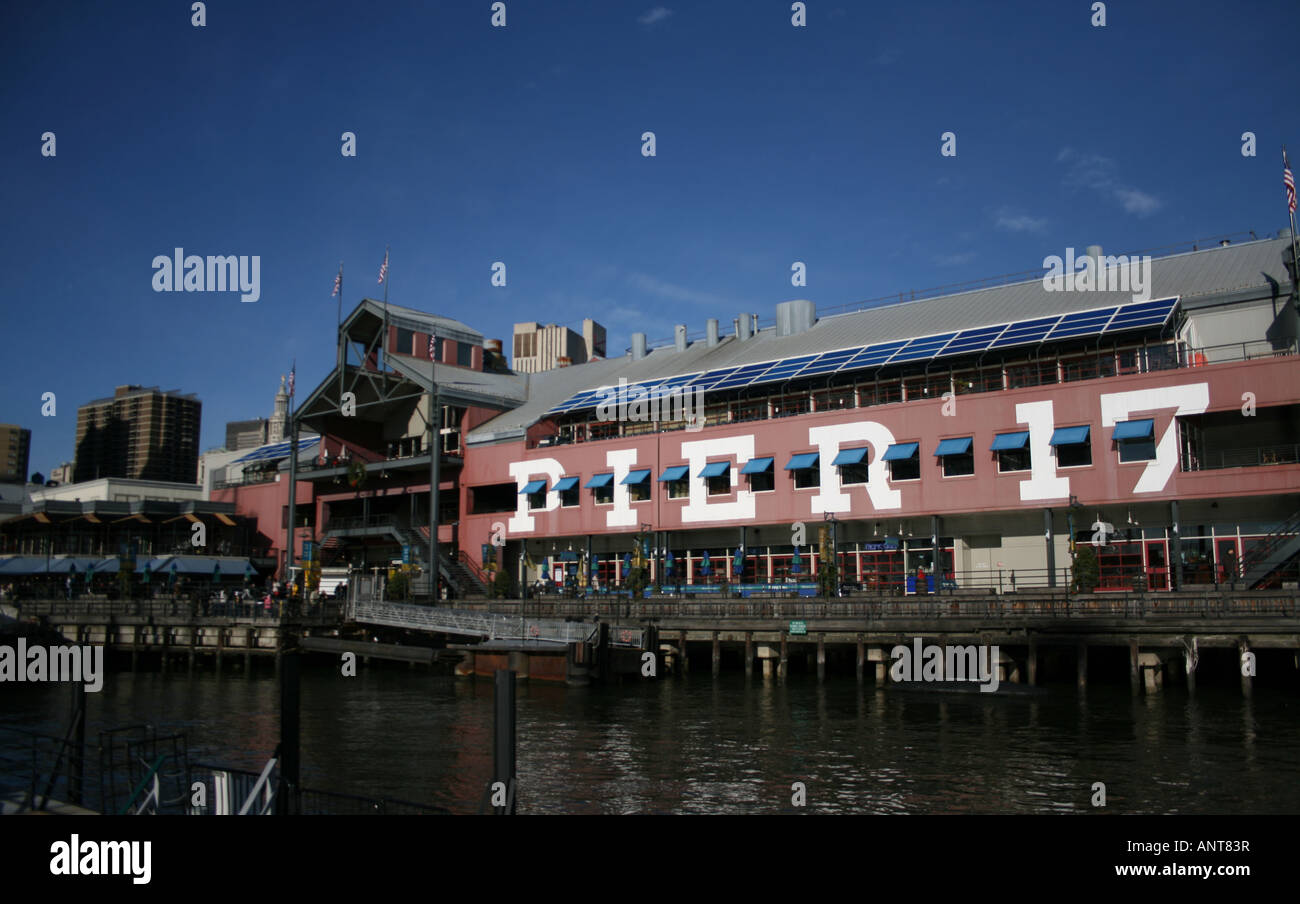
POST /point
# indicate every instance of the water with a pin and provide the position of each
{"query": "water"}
(700, 745)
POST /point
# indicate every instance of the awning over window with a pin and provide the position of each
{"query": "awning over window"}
(636, 476)
(225, 519)
(800, 462)
(533, 486)
(1004, 441)
(676, 473)
(715, 469)
(899, 451)
(1143, 429)
(850, 456)
(958, 446)
(566, 483)
(1068, 436)
(599, 480)
(757, 466)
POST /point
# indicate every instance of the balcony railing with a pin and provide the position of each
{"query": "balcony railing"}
(1248, 457)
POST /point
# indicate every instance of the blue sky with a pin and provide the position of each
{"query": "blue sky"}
(523, 144)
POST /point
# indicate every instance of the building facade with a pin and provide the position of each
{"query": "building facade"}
(247, 434)
(538, 348)
(140, 433)
(15, 449)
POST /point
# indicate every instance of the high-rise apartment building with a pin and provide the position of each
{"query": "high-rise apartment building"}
(15, 446)
(139, 433)
(537, 348)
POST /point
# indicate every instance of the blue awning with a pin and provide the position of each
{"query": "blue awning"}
(715, 469)
(899, 451)
(1134, 429)
(799, 462)
(599, 480)
(533, 486)
(277, 450)
(850, 456)
(635, 476)
(1068, 436)
(958, 446)
(757, 466)
(676, 473)
(1005, 441)
(566, 483)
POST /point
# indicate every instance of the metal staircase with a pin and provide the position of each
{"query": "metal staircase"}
(1275, 552)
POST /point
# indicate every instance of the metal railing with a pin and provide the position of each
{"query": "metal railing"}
(1248, 457)
(233, 787)
(488, 626)
(323, 612)
(1270, 604)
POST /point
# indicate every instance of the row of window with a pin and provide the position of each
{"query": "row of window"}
(1073, 447)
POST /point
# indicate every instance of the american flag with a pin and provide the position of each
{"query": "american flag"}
(338, 283)
(432, 346)
(292, 371)
(383, 270)
(1289, 181)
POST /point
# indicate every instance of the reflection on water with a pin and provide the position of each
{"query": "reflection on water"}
(700, 745)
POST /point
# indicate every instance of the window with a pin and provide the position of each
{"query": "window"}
(853, 465)
(638, 484)
(535, 490)
(405, 341)
(805, 470)
(496, 497)
(567, 487)
(1073, 446)
(717, 474)
(1136, 440)
(904, 461)
(602, 486)
(957, 456)
(678, 481)
(1012, 450)
(464, 354)
(762, 476)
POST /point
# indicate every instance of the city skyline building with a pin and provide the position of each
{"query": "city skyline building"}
(140, 433)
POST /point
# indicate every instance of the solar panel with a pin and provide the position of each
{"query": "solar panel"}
(1146, 313)
(709, 378)
(927, 347)
(742, 376)
(1025, 332)
(970, 341)
(1082, 323)
(829, 361)
(873, 355)
(783, 370)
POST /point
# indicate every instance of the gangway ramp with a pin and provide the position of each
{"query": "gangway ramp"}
(483, 625)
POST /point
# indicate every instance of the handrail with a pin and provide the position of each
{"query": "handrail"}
(151, 774)
(468, 561)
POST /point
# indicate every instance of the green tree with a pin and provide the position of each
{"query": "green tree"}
(399, 587)
(1087, 574)
(503, 585)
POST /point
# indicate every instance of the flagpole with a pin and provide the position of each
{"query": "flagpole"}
(1295, 254)
(342, 354)
(387, 275)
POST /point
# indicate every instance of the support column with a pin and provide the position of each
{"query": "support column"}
(1189, 666)
(1134, 672)
(781, 668)
(1175, 547)
(717, 655)
(1246, 680)
(681, 645)
(1051, 560)
(1081, 666)
(821, 657)
(749, 654)
(135, 647)
(1032, 661)
(862, 659)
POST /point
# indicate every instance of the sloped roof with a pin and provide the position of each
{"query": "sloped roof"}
(1191, 276)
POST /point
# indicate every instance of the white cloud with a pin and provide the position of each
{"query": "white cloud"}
(1015, 221)
(1097, 174)
(657, 14)
(652, 286)
(955, 260)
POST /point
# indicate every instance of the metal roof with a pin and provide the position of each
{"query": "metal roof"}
(1189, 277)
